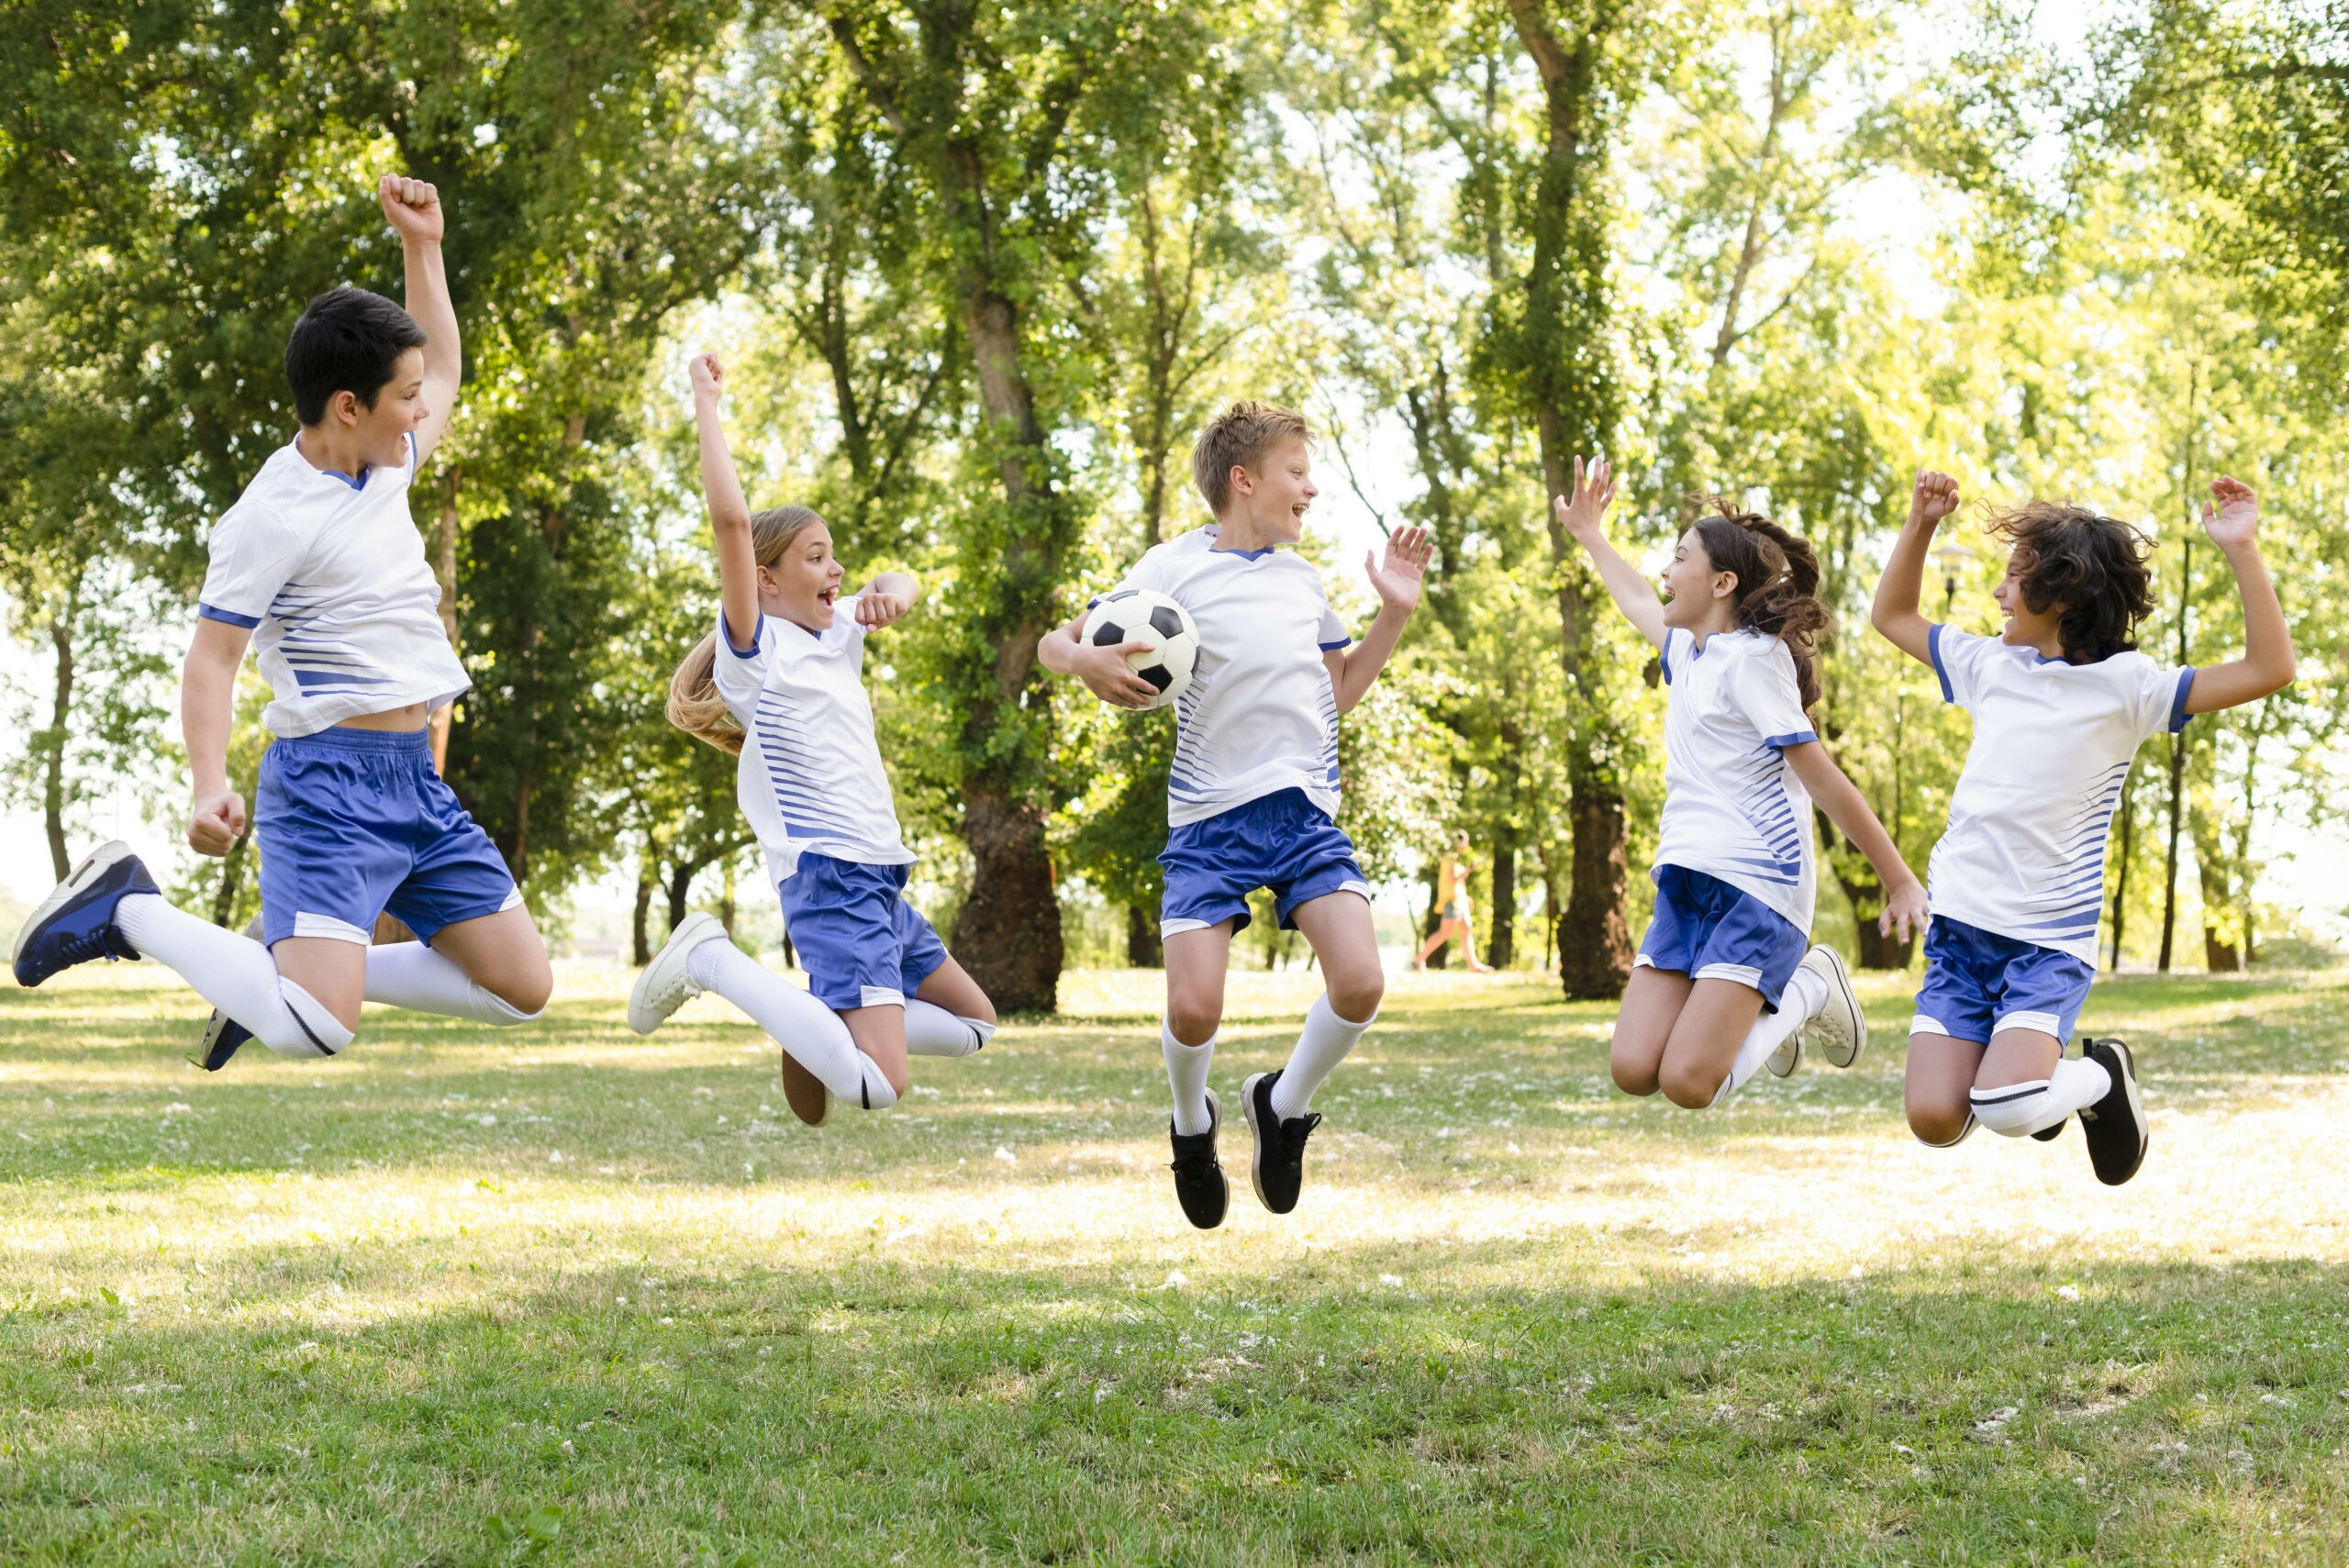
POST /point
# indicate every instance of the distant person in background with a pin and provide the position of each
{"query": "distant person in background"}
(1453, 919)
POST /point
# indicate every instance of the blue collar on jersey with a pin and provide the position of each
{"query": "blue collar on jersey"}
(1214, 532)
(358, 484)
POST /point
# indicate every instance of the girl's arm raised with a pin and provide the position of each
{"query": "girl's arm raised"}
(2266, 666)
(1582, 515)
(729, 514)
(1895, 611)
(1903, 903)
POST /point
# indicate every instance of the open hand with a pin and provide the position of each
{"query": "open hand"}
(1401, 571)
(707, 375)
(1904, 911)
(1106, 671)
(216, 821)
(1581, 511)
(2233, 523)
(414, 208)
(1934, 498)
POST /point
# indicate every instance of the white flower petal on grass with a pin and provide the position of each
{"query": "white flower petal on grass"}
(2069, 1291)
(1006, 1155)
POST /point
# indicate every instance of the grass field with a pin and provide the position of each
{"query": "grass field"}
(567, 1296)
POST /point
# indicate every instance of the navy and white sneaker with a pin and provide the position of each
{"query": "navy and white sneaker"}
(76, 923)
(1199, 1184)
(1278, 1169)
(2115, 1126)
(223, 1038)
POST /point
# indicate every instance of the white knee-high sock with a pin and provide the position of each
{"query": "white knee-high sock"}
(2019, 1110)
(411, 975)
(803, 1025)
(1805, 995)
(1186, 1074)
(931, 1030)
(1321, 1046)
(235, 974)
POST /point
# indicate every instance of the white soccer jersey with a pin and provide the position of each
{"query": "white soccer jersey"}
(810, 778)
(1260, 715)
(2024, 852)
(1732, 806)
(330, 572)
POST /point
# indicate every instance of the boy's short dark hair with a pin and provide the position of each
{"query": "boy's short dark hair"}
(2094, 565)
(1240, 435)
(348, 341)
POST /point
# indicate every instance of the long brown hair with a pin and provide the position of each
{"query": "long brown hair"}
(694, 706)
(1777, 583)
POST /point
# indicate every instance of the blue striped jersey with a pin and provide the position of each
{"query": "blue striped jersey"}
(810, 778)
(1260, 715)
(328, 572)
(2024, 855)
(1732, 807)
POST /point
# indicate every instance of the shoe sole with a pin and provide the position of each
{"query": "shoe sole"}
(2125, 1080)
(1256, 1137)
(668, 966)
(87, 871)
(1839, 993)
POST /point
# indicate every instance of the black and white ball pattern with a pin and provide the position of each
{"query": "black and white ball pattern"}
(1139, 615)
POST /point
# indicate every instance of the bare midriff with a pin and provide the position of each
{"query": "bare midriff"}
(412, 716)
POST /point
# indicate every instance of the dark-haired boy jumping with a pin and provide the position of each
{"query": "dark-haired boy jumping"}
(319, 567)
(2060, 701)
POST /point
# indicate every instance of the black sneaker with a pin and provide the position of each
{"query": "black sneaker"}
(2049, 1134)
(1199, 1185)
(2115, 1126)
(1278, 1169)
(223, 1038)
(76, 923)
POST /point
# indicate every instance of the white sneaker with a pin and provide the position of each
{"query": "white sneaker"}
(665, 986)
(1841, 1029)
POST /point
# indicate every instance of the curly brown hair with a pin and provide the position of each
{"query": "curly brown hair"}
(2096, 567)
(1777, 583)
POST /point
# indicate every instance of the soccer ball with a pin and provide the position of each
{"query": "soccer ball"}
(1138, 615)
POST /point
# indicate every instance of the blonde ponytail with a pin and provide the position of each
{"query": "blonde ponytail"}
(695, 705)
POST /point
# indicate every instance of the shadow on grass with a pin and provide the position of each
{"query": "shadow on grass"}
(1370, 1402)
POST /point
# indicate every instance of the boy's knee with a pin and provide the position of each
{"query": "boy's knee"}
(899, 1078)
(1355, 998)
(1689, 1088)
(1193, 1020)
(983, 1012)
(1940, 1126)
(527, 992)
(1633, 1077)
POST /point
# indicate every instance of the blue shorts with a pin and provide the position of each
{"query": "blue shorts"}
(1707, 929)
(355, 823)
(1977, 983)
(1281, 840)
(862, 944)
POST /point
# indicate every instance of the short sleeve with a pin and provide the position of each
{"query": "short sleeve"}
(1770, 694)
(740, 669)
(1677, 643)
(1333, 634)
(2160, 698)
(1958, 659)
(1143, 573)
(254, 552)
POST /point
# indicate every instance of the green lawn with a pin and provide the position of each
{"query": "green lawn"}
(566, 1295)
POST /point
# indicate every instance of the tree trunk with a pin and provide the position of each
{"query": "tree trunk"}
(1594, 942)
(2169, 858)
(1432, 919)
(62, 622)
(648, 878)
(1145, 946)
(681, 888)
(232, 879)
(1500, 919)
(726, 896)
(444, 572)
(1009, 931)
(1875, 949)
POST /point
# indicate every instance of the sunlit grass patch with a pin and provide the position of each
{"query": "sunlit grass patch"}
(466, 1295)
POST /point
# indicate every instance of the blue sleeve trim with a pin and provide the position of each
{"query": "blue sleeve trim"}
(230, 618)
(1333, 647)
(1664, 655)
(727, 633)
(1933, 647)
(2178, 714)
(1793, 738)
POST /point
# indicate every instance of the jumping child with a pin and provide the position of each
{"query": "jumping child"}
(779, 682)
(1254, 783)
(1722, 985)
(2061, 700)
(319, 566)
